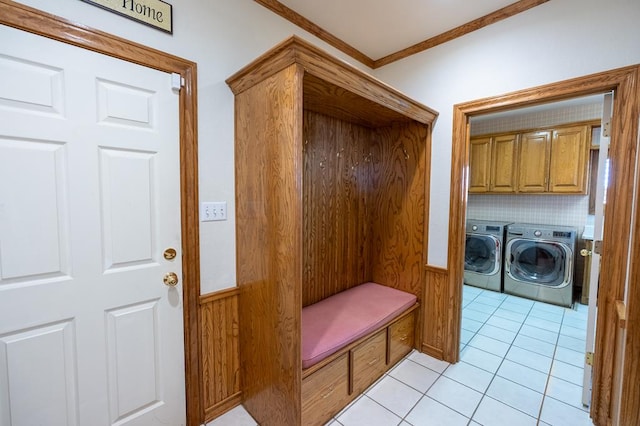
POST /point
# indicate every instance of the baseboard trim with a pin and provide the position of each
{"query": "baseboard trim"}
(222, 407)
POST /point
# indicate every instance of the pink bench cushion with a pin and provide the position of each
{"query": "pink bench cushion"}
(343, 318)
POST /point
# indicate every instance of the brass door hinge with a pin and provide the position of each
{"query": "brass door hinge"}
(606, 128)
(597, 247)
(588, 358)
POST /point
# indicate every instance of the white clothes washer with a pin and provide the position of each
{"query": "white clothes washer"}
(483, 252)
(539, 262)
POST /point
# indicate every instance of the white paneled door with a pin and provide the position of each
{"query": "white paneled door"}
(89, 202)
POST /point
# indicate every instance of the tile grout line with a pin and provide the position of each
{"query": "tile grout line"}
(546, 385)
(531, 314)
(500, 365)
(424, 394)
(559, 378)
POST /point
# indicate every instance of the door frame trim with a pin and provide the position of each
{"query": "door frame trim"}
(32, 20)
(617, 233)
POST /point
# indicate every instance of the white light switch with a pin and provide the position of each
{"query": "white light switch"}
(213, 210)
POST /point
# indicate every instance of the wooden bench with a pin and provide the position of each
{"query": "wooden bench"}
(348, 341)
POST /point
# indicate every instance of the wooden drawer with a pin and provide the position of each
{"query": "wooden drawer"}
(401, 337)
(368, 361)
(325, 392)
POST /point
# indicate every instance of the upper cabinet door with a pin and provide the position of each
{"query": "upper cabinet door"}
(504, 164)
(567, 171)
(479, 164)
(533, 163)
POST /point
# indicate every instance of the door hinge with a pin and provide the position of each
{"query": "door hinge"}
(597, 247)
(588, 358)
(176, 81)
(606, 128)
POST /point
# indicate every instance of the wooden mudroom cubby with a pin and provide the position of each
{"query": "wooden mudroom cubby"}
(332, 183)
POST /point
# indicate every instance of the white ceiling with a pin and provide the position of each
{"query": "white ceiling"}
(380, 27)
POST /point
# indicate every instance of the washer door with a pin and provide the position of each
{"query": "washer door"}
(482, 254)
(539, 262)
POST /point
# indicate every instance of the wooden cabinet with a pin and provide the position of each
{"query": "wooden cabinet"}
(533, 162)
(504, 157)
(332, 178)
(569, 159)
(537, 162)
(493, 164)
(480, 164)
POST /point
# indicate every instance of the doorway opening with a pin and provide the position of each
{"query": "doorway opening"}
(528, 213)
(609, 371)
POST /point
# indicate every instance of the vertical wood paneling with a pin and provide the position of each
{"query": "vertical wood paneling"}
(364, 201)
(398, 206)
(435, 309)
(268, 240)
(220, 352)
(336, 213)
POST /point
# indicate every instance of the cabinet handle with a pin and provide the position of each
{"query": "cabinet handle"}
(326, 395)
(373, 361)
(403, 338)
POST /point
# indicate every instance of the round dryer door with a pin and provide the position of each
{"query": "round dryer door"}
(539, 262)
(482, 254)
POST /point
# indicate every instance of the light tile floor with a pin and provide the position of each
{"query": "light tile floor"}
(521, 364)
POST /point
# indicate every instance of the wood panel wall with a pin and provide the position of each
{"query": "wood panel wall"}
(268, 156)
(364, 206)
(435, 312)
(220, 359)
(337, 206)
(398, 209)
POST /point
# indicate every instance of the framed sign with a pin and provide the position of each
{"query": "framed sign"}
(155, 13)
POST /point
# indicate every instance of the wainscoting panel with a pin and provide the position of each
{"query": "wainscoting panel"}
(435, 312)
(220, 354)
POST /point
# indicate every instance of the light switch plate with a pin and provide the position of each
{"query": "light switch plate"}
(213, 211)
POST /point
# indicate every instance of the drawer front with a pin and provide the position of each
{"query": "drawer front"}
(369, 361)
(325, 392)
(401, 338)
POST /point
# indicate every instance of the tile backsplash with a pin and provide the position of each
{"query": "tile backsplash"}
(531, 120)
(563, 210)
